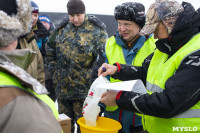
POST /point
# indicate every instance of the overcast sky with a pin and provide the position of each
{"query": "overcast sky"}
(97, 6)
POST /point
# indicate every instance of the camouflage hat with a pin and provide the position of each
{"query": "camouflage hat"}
(160, 11)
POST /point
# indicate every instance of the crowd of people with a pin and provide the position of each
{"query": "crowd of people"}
(41, 63)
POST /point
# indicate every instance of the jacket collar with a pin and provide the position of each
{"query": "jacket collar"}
(138, 44)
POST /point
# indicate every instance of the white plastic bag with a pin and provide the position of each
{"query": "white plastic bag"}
(90, 105)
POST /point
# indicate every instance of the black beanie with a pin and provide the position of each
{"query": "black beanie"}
(131, 11)
(9, 7)
(75, 7)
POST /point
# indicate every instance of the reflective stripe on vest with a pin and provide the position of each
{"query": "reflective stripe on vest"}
(161, 68)
(153, 88)
(8, 80)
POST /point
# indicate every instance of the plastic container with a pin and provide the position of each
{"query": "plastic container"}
(104, 125)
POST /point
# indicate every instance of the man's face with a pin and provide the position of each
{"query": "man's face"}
(46, 24)
(77, 19)
(161, 31)
(34, 19)
(128, 29)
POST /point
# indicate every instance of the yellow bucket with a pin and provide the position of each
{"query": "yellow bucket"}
(103, 125)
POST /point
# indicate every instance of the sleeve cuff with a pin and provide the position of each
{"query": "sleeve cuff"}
(118, 95)
(118, 66)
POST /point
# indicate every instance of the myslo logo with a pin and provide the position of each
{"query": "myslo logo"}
(192, 129)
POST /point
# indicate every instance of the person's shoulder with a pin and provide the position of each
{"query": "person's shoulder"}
(98, 22)
(193, 59)
(29, 37)
(62, 24)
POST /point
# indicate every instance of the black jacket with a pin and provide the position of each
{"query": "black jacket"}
(182, 90)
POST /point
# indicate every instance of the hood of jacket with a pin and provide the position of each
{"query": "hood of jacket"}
(15, 61)
(21, 58)
(187, 25)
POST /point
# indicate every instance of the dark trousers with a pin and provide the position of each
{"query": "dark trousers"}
(50, 87)
(72, 108)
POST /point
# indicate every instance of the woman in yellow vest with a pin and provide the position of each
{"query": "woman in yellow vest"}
(24, 104)
(126, 47)
(172, 78)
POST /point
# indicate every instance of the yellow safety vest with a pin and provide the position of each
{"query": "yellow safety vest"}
(161, 68)
(115, 54)
(8, 80)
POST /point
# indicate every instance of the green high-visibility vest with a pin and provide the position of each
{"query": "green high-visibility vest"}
(115, 54)
(161, 68)
(8, 80)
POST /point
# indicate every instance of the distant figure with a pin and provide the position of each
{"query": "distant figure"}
(24, 105)
(71, 52)
(126, 47)
(28, 41)
(39, 29)
(46, 21)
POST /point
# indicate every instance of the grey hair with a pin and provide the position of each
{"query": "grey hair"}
(11, 27)
(8, 36)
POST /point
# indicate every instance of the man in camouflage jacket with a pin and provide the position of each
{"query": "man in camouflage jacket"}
(71, 51)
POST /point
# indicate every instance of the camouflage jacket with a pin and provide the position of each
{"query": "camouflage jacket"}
(36, 68)
(71, 52)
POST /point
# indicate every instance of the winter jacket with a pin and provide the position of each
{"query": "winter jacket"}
(71, 52)
(180, 92)
(20, 110)
(126, 56)
(41, 34)
(36, 68)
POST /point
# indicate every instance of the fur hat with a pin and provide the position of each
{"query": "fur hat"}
(131, 11)
(15, 20)
(75, 7)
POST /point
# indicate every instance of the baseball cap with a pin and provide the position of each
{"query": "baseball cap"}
(160, 11)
